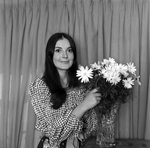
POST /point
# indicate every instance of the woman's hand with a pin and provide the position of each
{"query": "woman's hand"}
(90, 101)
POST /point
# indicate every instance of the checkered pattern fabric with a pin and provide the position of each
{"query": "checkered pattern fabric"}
(61, 123)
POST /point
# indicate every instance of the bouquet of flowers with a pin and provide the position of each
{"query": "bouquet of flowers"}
(113, 80)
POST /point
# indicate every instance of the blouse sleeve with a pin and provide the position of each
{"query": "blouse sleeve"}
(89, 118)
(90, 121)
(56, 124)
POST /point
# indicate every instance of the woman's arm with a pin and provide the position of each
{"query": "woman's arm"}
(86, 110)
(90, 121)
(56, 124)
(90, 100)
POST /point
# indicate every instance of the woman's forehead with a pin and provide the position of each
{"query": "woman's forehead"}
(63, 43)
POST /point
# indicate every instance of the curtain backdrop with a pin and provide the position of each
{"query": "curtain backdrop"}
(101, 28)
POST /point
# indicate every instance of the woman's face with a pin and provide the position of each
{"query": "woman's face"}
(63, 55)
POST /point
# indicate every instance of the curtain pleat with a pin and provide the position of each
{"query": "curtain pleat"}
(92, 38)
(101, 28)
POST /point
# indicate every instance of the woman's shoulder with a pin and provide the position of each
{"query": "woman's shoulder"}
(38, 85)
(37, 82)
(39, 92)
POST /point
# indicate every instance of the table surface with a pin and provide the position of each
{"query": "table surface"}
(132, 143)
(123, 143)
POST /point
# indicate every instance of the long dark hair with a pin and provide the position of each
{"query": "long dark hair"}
(51, 75)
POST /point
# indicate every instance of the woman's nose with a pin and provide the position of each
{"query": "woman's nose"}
(65, 55)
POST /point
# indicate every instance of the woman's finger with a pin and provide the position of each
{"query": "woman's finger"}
(98, 99)
(98, 95)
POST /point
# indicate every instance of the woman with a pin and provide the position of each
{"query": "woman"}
(63, 109)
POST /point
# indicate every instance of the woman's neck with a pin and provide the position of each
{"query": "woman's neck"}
(64, 79)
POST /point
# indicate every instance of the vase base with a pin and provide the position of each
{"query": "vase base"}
(110, 145)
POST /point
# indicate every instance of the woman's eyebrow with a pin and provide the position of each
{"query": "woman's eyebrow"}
(61, 47)
(57, 47)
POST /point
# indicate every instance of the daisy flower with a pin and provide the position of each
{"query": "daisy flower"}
(96, 66)
(123, 70)
(106, 72)
(105, 62)
(128, 82)
(111, 60)
(115, 78)
(112, 76)
(84, 74)
(131, 68)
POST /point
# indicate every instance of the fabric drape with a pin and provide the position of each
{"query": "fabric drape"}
(101, 28)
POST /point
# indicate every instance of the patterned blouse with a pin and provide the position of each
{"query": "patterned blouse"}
(59, 124)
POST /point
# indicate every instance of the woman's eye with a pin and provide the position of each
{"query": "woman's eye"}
(57, 50)
(70, 50)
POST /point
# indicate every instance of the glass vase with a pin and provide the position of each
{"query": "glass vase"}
(105, 136)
